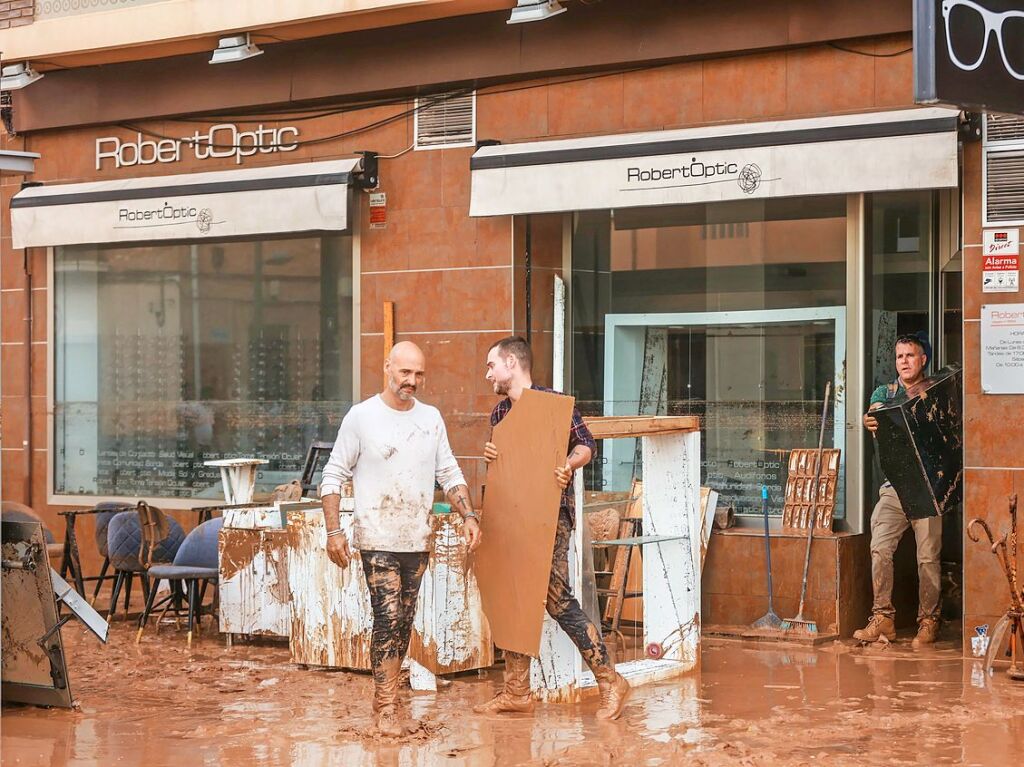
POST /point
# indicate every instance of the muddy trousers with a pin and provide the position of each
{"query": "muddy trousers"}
(888, 524)
(393, 579)
(565, 609)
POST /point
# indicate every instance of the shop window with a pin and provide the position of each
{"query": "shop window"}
(732, 312)
(168, 356)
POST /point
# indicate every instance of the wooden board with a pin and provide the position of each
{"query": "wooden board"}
(513, 563)
(708, 505)
(614, 427)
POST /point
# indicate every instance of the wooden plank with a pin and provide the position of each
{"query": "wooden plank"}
(708, 505)
(513, 563)
(615, 427)
(389, 331)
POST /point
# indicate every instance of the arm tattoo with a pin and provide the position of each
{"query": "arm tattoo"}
(459, 497)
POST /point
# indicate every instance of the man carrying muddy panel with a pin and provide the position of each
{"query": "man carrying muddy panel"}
(392, 448)
(889, 520)
(509, 364)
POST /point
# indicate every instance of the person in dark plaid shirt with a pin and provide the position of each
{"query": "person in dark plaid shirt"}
(509, 363)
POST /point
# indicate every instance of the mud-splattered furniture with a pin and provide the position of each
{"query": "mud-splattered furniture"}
(253, 564)
(331, 617)
(671, 564)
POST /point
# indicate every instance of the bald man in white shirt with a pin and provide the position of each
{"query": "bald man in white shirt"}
(393, 448)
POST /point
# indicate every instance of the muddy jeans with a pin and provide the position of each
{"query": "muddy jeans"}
(888, 524)
(393, 579)
(564, 607)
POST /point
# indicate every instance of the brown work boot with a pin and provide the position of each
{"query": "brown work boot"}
(385, 694)
(515, 696)
(615, 690)
(879, 626)
(927, 629)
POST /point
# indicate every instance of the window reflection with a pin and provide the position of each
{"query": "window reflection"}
(168, 356)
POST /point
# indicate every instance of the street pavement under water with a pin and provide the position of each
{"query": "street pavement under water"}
(160, 703)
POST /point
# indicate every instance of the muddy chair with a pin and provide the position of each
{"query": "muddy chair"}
(133, 545)
(195, 565)
(106, 511)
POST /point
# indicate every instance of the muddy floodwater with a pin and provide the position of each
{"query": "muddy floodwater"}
(159, 703)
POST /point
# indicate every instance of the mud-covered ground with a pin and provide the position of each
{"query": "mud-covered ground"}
(158, 703)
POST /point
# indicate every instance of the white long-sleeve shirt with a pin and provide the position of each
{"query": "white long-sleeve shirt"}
(392, 458)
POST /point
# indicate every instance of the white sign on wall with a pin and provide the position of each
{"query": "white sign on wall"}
(220, 141)
(1002, 348)
(1000, 268)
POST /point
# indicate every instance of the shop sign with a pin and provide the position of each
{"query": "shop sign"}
(378, 210)
(1002, 348)
(970, 54)
(1000, 269)
(224, 140)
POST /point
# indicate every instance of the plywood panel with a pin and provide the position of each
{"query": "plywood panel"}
(513, 563)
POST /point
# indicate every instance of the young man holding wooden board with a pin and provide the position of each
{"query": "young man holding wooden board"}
(509, 364)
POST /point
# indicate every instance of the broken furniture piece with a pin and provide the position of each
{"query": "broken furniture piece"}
(253, 564)
(34, 669)
(238, 477)
(1013, 620)
(330, 615)
(671, 525)
(920, 445)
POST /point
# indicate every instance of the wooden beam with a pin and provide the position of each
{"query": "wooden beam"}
(389, 331)
(613, 427)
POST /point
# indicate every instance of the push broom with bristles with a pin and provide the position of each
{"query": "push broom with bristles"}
(769, 620)
(799, 624)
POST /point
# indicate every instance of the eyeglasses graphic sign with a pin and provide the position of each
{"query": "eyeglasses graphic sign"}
(970, 53)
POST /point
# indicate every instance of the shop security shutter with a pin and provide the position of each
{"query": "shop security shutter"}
(446, 120)
(1004, 169)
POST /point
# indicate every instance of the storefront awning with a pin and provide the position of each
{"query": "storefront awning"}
(880, 151)
(283, 199)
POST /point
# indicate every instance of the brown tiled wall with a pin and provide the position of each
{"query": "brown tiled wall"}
(993, 460)
(456, 282)
(16, 13)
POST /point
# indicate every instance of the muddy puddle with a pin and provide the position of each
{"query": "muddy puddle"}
(159, 703)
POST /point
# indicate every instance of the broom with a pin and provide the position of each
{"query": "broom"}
(769, 620)
(799, 623)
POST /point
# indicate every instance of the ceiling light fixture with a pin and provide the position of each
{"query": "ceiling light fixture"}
(234, 48)
(534, 10)
(15, 76)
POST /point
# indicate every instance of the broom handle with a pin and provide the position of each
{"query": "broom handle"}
(814, 497)
(767, 544)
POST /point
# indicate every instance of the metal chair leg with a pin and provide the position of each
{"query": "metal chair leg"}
(128, 593)
(145, 586)
(118, 582)
(99, 581)
(150, 598)
(191, 608)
